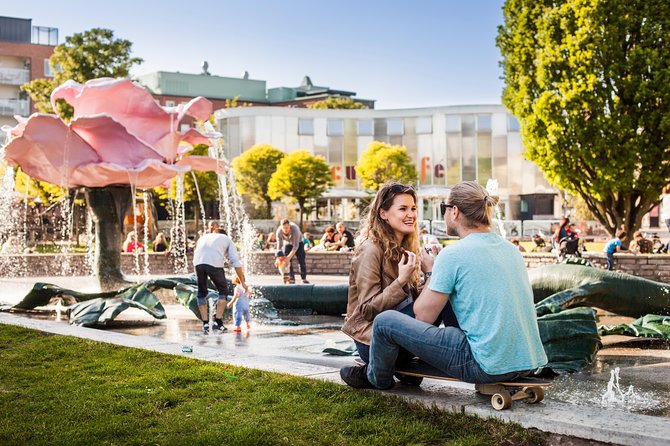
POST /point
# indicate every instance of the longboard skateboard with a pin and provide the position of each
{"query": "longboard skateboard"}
(502, 393)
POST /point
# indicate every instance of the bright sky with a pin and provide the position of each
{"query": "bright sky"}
(402, 53)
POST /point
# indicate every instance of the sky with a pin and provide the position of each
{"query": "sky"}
(404, 54)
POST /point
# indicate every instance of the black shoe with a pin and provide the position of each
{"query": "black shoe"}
(218, 327)
(205, 328)
(409, 380)
(356, 376)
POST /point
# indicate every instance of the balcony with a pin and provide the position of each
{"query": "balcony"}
(14, 76)
(11, 107)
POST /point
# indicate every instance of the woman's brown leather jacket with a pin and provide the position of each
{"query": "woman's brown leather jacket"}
(373, 288)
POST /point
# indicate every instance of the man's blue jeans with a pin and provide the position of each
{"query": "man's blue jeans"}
(445, 348)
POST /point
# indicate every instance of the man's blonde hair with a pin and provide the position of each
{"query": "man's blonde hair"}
(474, 203)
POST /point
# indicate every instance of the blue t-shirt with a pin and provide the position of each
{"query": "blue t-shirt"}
(488, 288)
(611, 246)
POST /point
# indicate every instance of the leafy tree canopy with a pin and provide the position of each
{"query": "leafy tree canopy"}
(382, 162)
(253, 170)
(337, 103)
(89, 55)
(589, 81)
(300, 177)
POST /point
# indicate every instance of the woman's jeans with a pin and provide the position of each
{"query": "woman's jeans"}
(404, 356)
(445, 348)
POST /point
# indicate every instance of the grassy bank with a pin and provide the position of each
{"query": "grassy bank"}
(64, 390)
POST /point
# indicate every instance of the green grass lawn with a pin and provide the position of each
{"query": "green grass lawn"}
(62, 390)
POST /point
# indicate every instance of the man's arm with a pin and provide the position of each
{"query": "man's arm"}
(429, 305)
(240, 274)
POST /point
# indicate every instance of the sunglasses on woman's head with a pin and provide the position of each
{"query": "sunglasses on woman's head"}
(444, 206)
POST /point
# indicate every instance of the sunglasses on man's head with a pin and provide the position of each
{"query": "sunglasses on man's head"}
(444, 206)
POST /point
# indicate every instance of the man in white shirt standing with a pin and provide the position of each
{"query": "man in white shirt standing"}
(209, 259)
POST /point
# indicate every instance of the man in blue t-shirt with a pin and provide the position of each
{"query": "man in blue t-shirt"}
(615, 245)
(480, 288)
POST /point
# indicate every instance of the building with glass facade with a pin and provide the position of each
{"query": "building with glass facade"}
(448, 145)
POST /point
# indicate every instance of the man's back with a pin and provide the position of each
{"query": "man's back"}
(213, 248)
(491, 296)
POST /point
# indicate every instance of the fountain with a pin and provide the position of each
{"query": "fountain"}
(118, 140)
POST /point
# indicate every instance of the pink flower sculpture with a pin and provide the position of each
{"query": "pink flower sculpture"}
(119, 135)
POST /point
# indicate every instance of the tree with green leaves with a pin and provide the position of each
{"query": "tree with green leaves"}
(589, 81)
(89, 55)
(253, 170)
(335, 103)
(382, 162)
(300, 178)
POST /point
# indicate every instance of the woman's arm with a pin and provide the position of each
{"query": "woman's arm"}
(372, 297)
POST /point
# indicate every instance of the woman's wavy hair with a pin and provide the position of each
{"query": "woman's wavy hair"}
(375, 229)
(474, 202)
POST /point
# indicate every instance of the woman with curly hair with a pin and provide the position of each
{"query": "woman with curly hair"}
(385, 270)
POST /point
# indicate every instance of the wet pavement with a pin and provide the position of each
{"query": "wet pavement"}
(575, 405)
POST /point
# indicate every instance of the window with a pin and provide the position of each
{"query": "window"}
(305, 126)
(484, 123)
(365, 127)
(48, 72)
(395, 127)
(169, 103)
(424, 125)
(335, 127)
(512, 124)
(453, 124)
(184, 127)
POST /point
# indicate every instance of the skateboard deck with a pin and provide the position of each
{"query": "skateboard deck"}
(502, 393)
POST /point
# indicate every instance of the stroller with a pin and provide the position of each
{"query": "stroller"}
(568, 247)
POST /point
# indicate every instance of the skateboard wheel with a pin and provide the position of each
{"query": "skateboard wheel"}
(536, 395)
(501, 401)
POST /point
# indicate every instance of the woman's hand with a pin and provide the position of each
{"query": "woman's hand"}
(428, 255)
(406, 267)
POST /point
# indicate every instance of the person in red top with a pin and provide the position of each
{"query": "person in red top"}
(131, 244)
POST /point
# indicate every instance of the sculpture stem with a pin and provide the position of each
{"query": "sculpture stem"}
(108, 206)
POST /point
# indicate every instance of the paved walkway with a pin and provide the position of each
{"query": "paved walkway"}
(297, 351)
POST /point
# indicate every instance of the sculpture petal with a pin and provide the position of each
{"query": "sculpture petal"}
(200, 108)
(125, 101)
(112, 141)
(149, 174)
(48, 150)
(169, 145)
(203, 163)
(67, 91)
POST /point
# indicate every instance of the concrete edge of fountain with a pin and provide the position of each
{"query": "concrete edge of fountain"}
(604, 425)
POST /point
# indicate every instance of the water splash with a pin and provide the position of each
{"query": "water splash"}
(90, 242)
(145, 202)
(231, 206)
(614, 396)
(579, 390)
(492, 189)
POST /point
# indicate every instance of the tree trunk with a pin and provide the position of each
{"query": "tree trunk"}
(301, 205)
(268, 209)
(108, 206)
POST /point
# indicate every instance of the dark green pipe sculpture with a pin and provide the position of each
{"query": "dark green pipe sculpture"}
(568, 286)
